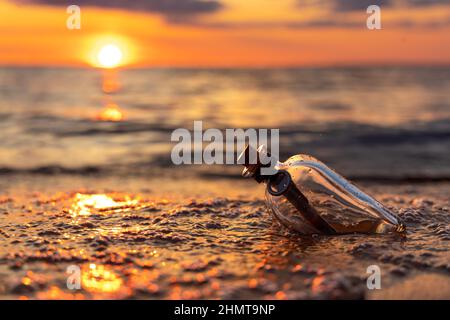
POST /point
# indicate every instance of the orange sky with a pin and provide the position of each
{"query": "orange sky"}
(242, 33)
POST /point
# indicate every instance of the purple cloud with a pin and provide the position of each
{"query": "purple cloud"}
(166, 7)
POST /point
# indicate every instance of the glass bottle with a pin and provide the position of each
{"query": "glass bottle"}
(307, 196)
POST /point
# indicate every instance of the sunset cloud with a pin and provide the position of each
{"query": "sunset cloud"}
(428, 2)
(166, 7)
(334, 13)
(358, 5)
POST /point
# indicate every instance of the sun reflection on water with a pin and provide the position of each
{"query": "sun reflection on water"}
(111, 112)
(110, 81)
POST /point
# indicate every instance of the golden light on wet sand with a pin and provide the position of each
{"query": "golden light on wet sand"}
(98, 278)
(86, 204)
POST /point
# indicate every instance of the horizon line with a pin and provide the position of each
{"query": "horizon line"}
(292, 66)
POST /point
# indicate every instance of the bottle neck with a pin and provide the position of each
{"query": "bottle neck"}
(258, 164)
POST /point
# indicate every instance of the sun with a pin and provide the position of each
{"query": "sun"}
(109, 51)
(109, 56)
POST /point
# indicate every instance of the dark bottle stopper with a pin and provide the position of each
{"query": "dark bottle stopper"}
(251, 160)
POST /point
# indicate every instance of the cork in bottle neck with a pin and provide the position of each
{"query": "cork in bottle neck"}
(251, 160)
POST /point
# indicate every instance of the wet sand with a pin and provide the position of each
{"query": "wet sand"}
(193, 238)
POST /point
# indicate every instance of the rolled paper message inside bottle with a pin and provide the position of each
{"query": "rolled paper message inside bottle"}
(309, 197)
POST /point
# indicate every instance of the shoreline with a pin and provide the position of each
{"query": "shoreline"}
(168, 238)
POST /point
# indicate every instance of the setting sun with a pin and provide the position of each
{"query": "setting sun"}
(109, 56)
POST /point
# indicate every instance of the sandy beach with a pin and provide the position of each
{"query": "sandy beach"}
(121, 126)
(197, 238)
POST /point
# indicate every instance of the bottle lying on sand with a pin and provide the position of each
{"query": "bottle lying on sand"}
(309, 197)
